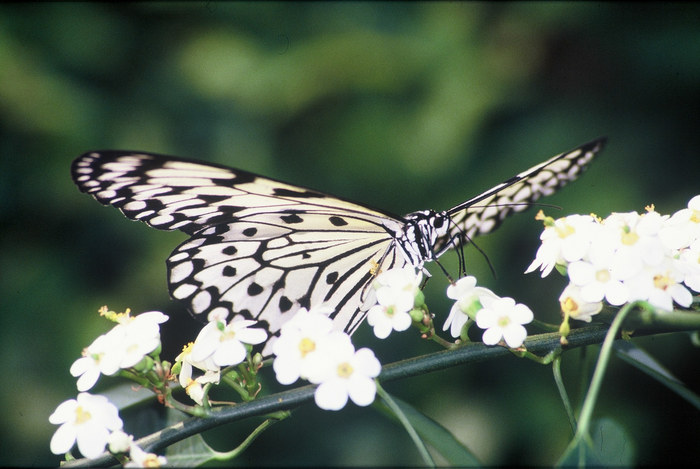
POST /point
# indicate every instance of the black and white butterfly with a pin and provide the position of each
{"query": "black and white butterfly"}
(263, 249)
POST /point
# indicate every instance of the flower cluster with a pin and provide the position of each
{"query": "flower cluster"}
(92, 421)
(623, 258)
(309, 348)
(501, 318)
(396, 292)
(217, 345)
(125, 346)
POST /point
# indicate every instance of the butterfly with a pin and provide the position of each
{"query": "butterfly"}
(262, 249)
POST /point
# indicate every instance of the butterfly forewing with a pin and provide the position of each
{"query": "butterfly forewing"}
(170, 193)
(485, 212)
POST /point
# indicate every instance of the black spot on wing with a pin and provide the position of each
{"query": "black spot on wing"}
(337, 221)
(250, 232)
(285, 304)
(229, 250)
(306, 194)
(292, 218)
(331, 278)
(254, 289)
(229, 271)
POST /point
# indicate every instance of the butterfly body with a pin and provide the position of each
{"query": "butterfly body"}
(263, 249)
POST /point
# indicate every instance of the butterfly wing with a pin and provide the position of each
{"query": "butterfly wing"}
(485, 212)
(171, 193)
(266, 269)
(258, 247)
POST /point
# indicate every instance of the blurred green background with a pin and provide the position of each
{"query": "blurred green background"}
(400, 106)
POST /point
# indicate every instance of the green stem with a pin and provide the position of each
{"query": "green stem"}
(427, 459)
(589, 402)
(274, 418)
(469, 353)
(556, 370)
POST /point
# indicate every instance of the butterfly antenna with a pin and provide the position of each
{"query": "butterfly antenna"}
(458, 243)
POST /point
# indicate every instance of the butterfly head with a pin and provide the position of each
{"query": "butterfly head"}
(420, 234)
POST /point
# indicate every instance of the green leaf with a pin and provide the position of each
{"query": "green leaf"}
(436, 435)
(610, 446)
(638, 358)
(190, 452)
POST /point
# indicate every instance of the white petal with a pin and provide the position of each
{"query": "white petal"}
(92, 440)
(88, 379)
(401, 321)
(382, 329)
(63, 440)
(230, 352)
(366, 363)
(514, 335)
(362, 390)
(65, 412)
(252, 336)
(492, 336)
(331, 395)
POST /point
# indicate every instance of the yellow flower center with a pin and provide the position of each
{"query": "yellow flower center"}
(695, 217)
(503, 321)
(603, 276)
(151, 460)
(345, 370)
(306, 346)
(81, 415)
(564, 231)
(569, 306)
(629, 237)
(662, 282)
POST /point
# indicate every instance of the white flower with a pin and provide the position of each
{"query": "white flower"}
(405, 279)
(683, 227)
(660, 287)
(119, 442)
(391, 313)
(101, 357)
(566, 240)
(140, 458)
(187, 365)
(396, 290)
(223, 343)
(140, 336)
(467, 296)
(597, 282)
(638, 244)
(573, 305)
(195, 387)
(503, 319)
(350, 374)
(688, 265)
(122, 347)
(87, 420)
(298, 343)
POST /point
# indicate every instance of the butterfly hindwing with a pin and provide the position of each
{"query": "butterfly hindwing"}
(266, 269)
